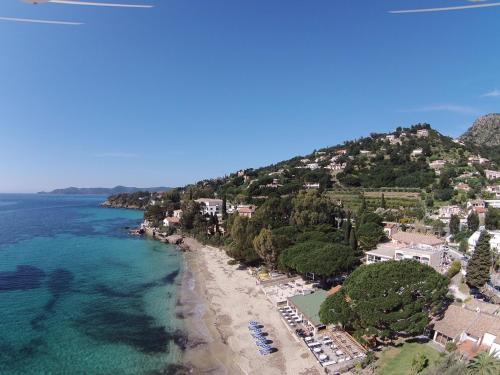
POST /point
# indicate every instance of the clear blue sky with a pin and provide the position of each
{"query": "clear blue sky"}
(199, 88)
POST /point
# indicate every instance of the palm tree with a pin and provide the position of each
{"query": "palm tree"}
(485, 364)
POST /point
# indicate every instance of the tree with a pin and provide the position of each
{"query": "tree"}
(224, 207)
(454, 224)
(311, 209)
(419, 363)
(362, 207)
(492, 220)
(473, 222)
(484, 364)
(243, 232)
(369, 235)
(387, 299)
(269, 245)
(353, 242)
(319, 258)
(448, 364)
(463, 246)
(454, 269)
(382, 201)
(478, 268)
(347, 228)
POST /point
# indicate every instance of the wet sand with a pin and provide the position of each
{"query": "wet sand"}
(217, 301)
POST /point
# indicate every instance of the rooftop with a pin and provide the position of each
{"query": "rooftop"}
(310, 304)
(383, 251)
(417, 238)
(458, 319)
(209, 200)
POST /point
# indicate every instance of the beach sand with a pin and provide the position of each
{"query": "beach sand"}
(217, 301)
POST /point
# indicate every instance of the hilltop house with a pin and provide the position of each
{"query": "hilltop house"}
(171, 221)
(417, 152)
(309, 185)
(470, 328)
(494, 189)
(492, 175)
(421, 133)
(312, 166)
(437, 165)
(390, 229)
(445, 212)
(462, 186)
(210, 206)
(246, 210)
(477, 160)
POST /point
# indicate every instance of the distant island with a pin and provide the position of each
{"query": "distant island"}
(105, 191)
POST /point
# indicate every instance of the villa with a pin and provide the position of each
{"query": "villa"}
(470, 328)
(312, 185)
(428, 256)
(462, 186)
(172, 221)
(210, 206)
(437, 165)
(421, 133)
(417, 152)
(492, 175)
(417, 239)
(246, 210)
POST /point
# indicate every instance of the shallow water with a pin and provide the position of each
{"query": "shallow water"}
(78, 295)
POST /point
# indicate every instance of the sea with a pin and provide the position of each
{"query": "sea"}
(79, 295)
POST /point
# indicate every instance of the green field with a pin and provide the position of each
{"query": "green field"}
(397, 361)
(351, 199)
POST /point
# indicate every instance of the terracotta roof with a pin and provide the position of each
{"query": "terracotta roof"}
(417, 238)
(458, 319)
(488, 308)
(455, 321)
(485, 323)
(173, 220)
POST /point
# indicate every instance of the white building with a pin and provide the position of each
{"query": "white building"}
(492, 175)
(422, 133)
(428, 256)
(210, 206)
(494, 240)
(417, 152)
(437, 165)
(312, 166)
(445, 212)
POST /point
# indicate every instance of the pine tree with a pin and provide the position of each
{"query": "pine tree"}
(478, 269)
(382, 202)
(473, 222)
(347, 228)
(454, 224)
(362, 208)
(353, 241)
(224, 208)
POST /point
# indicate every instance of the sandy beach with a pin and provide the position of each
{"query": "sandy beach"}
(217, 301)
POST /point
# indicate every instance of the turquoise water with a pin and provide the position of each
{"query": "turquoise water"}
(78, 295)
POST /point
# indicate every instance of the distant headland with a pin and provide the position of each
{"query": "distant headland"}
(104, 191)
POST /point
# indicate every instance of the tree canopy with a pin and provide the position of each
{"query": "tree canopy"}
(320, 258)
(478, 268)
(387, 299)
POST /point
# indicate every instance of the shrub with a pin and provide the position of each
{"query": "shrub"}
(232, 262)
(450, 347)
(454, 269)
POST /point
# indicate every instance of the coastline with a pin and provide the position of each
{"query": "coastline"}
(216, 301)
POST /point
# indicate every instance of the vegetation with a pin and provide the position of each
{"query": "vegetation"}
(407, 358)
(478, 268)
(388, 299)
(454, 269)
(484, 364)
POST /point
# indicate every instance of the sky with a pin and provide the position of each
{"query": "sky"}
(194, 89)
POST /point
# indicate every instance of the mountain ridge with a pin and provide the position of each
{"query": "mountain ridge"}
(119, 189)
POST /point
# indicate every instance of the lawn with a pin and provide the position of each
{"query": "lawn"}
(397, 361)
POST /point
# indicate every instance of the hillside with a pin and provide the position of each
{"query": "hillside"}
(105, 191)
(413, 169)
(484, 132)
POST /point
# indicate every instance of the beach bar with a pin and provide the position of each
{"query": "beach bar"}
(307, 308)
